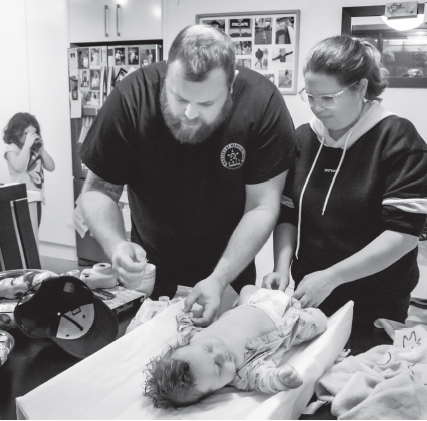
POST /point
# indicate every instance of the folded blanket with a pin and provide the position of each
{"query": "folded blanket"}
(386, 382)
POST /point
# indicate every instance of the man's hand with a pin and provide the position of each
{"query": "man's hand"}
(314, 288)
(207, 293)
(275, 280)
(129, 262)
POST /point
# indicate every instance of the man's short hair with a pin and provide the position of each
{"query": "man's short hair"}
(202, 48)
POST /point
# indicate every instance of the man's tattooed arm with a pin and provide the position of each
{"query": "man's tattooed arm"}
(95, 183)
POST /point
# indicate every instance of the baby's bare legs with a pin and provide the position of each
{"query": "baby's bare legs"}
(245, 293)
(290, 377)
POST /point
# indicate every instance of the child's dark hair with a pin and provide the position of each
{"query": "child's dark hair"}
(16, 126)
(169, 382)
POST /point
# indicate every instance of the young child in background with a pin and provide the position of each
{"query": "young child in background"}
(243, 348)
(25, 154)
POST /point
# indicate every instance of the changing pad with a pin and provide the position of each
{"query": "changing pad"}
(109, 383)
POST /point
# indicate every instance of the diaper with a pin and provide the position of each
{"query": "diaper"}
(274, 303)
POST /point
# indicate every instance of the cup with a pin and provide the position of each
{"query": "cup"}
(148, 280)
(37, 144)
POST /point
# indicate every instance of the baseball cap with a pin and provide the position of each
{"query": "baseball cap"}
(64, 309)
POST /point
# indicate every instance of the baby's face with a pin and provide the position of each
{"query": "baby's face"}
(211, 363)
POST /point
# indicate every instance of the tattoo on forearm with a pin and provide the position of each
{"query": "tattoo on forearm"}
(95, 183)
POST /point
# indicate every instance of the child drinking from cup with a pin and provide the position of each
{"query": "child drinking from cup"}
(25, 154)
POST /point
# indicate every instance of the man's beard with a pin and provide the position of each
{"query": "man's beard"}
(193, 131)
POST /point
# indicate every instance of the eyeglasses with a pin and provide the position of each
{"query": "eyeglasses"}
(327, 101)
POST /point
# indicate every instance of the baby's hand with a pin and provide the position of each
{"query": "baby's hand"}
(290, 377)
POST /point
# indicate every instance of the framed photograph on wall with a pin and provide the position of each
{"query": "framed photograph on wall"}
(267, 42)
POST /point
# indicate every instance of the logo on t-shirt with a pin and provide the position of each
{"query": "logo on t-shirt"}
(233, 156)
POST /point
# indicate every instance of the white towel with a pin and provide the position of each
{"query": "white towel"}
(386, 382)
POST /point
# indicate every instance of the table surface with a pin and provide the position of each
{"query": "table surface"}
(35, 361)
(32, 362)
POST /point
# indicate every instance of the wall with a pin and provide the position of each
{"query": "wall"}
(319, 19)
(14, 84)
(34, 38)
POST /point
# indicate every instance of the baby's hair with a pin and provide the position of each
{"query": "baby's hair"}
(16, 126)
(169, 382)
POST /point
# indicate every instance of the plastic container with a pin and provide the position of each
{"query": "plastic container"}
(100, 276)
(146, 285)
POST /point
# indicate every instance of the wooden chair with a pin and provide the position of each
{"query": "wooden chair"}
(18, 247)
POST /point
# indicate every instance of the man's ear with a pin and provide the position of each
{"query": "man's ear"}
(235, 75)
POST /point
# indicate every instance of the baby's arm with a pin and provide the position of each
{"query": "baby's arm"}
(245, 293)
(273, 379)
(185, 327)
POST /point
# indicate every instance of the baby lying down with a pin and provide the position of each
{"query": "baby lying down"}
(243, 348)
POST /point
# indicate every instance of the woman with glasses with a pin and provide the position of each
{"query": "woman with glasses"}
(355, 201)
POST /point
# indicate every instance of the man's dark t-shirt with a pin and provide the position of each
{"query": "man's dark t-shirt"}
(186, 200)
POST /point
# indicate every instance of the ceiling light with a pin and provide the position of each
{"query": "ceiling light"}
(404, 24)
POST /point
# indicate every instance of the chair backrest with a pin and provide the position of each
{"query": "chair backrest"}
(18, 247)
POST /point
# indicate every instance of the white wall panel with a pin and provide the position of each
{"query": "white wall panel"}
(33, 78)
(14, 92)
(48, 40)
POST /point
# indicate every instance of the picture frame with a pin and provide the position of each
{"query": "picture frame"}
(120, 56)
(120, 75)
(404, 73)
(83, 58)
(267, 42)
(95, 79)
(133, 55)
(95, 57)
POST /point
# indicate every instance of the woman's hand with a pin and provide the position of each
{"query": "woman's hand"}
(276, 280)
(314, 288)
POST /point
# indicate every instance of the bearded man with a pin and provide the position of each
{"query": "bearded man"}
(204, 150)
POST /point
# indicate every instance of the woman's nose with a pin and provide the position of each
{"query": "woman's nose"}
(317, 106)
(191, 112)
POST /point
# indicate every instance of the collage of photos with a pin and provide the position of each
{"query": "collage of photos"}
(266, 43)
(90, 61)
(94, 71)
(127, 59)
